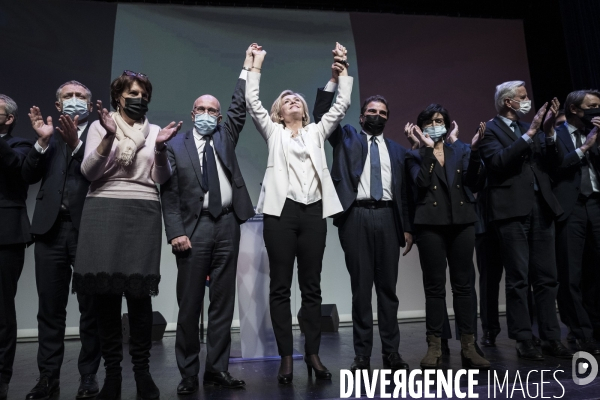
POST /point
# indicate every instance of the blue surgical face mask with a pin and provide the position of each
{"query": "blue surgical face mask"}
(436, 133)
(74, 107)
(205, 123)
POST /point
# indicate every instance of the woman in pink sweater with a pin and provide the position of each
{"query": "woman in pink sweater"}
(120, 234)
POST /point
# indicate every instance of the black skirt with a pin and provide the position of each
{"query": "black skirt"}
(118, 251)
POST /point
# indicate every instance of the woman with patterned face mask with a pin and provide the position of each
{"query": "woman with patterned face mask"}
(444, 222)
(120, 232)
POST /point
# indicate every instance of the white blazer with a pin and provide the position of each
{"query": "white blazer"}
(276, 182)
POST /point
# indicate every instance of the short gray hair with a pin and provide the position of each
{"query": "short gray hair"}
(10, 108)
(88, 92)
(505, 91)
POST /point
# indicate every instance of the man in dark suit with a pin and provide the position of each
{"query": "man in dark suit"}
(204, 203)
(577, 188)
(522, 208)
(55, 160)
(14, 233)
(369, 177)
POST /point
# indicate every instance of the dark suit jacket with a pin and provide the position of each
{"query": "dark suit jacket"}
(14, 225)
(182, 196)
(349, 157)
(567, 174)
(444, 195)
(58, 171)
(511, 166)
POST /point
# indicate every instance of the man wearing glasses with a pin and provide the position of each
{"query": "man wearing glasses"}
(203, 204)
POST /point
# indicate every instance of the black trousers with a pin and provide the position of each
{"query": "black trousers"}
(571, 234)
(139, 311)
(528, 254)
(489, 264)
(214, 253)
(54, 257)
(12, 258)
(446, 331)
(370, 243)
(299, 232)
(452, 246)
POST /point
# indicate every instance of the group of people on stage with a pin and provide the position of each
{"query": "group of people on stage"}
(98, 211)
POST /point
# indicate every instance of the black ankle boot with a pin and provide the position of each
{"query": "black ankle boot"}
(286, 370)
(111, 389)
(313, 362)
(146, 388)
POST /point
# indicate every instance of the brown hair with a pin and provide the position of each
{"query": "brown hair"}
(124, 82)
(276, 108)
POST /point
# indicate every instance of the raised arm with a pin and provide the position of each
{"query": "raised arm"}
(330, 120)
(236, 114)
(260, 116)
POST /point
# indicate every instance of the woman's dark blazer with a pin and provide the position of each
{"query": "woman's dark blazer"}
(444, 195)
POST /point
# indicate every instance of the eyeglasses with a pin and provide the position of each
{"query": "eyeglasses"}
(135, 74)
(211, 111)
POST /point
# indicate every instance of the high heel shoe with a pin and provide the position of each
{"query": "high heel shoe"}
(313, 362)
(286, 370)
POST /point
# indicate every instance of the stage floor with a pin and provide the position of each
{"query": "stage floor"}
(336, 353)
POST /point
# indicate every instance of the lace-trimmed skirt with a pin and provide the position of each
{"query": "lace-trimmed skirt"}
(118, 251)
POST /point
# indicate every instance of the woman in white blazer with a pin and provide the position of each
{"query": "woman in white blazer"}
(297, 195)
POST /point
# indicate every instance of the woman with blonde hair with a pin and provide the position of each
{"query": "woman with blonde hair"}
(297, 195)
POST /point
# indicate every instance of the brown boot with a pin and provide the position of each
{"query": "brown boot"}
(434, 352)
(469, 356)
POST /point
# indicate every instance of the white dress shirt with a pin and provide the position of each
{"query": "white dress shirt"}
(226, 191)
(593, 175)
(364, 186)
(3, 134)
(80, 128)
(303, 181)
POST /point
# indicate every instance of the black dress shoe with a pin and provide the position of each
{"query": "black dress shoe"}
(88, 386)
(394, 362)
(44, 389)
(360, 362)
(536, 341)
(445, 347)
(556, 349)
(588, 345)
(188, 385)
(3, 390)
(527, 351)
(488, 339)
(223, 379)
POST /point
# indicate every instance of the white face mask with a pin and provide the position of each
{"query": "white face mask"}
(205, 124)
(74, 106)
(436, 133)
(524, 107)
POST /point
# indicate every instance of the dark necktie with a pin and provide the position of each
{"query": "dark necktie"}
(517, 130)
(210, 177)
(376, 185)
(586, 180)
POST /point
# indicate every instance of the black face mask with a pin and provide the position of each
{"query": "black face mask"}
(374, 124)
(588, 115)
(135, 107)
